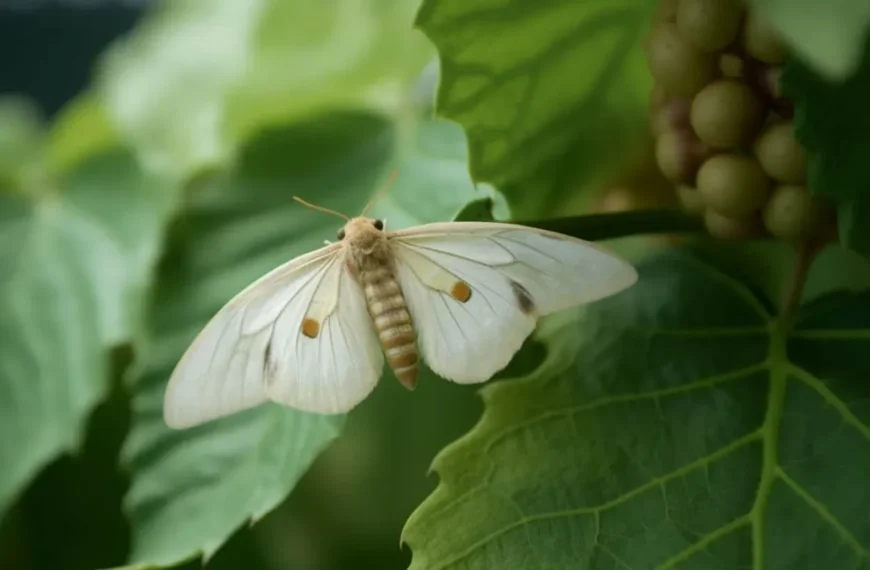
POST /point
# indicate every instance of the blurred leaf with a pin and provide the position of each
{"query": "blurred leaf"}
(433, 183)
(21, 142)
(75, 260)
(552, 94)
(829, 35)
(197, 77)
(476, 211)
(112, 189)
(82, 129)
(313, 55)
(679, 425)
(74, 504)
(191, 489)
(832, 122)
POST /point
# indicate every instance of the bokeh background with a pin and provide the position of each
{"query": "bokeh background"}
(348, 510)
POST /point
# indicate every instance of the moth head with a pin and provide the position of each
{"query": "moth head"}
(362, 232)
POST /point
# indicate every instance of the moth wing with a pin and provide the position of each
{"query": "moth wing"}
(335, 371)
(252, 350)
(475, 290)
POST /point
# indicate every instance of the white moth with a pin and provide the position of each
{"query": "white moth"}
(312, 333)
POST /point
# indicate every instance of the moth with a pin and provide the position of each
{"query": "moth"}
(313, 333)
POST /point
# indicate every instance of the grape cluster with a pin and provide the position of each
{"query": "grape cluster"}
(724, 132)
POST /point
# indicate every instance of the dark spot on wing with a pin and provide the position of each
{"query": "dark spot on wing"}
(268, 365)
(523, 297)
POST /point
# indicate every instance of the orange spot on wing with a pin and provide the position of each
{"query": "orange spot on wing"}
(461, 291)
(310, 327)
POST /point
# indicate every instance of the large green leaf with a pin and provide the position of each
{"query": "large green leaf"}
(197, 77)
(677, 425)
(192, 489)
(552, 94)
(80, 130)
(828, 35)
(832, 122)
(75, 259)
(21, 142)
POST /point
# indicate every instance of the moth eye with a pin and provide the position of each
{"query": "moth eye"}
(379, 224)
(341, 234)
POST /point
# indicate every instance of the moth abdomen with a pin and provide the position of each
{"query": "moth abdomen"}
(392, 321)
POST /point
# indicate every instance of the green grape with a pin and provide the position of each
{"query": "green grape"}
(691, 199)
(781, 155)
(675, 64)
(709, 24)
(733, 185)
(724, 227)
(761, 41)
(727, 114)
(678, 154)
(793, 214)
(732, 66)
(666, 11)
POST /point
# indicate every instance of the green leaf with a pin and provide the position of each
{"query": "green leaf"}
(192, 489)
(829, 35)
(476, 211)
(832, 122)
(195, 79)
(552, 94)
(677, 425)
(21, 142)
(75, 260)
(81, 130)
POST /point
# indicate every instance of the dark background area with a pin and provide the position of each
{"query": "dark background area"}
(48, 47)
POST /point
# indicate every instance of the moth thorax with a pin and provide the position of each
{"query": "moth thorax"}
(392, 321)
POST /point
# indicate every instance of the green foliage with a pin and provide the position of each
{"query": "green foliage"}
(832, 123)
(197, 77)
(21, 141)
(667, 430)
(76, 255)
(690, 422)
(549, 93)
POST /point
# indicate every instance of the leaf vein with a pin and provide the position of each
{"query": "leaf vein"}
(838, 404)
(708, 382)
(824, 513)
(653, 483)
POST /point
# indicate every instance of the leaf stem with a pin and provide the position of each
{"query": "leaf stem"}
(609, 226)
(805, 253)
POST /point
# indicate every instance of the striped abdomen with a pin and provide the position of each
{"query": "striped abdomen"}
(392, 321)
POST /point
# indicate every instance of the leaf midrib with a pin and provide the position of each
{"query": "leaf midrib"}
(777, 358)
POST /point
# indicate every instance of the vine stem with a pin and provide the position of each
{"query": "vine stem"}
(805, 253)
(610, 226)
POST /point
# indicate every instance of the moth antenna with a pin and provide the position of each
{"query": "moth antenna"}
(321, 208)
(381, 192)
